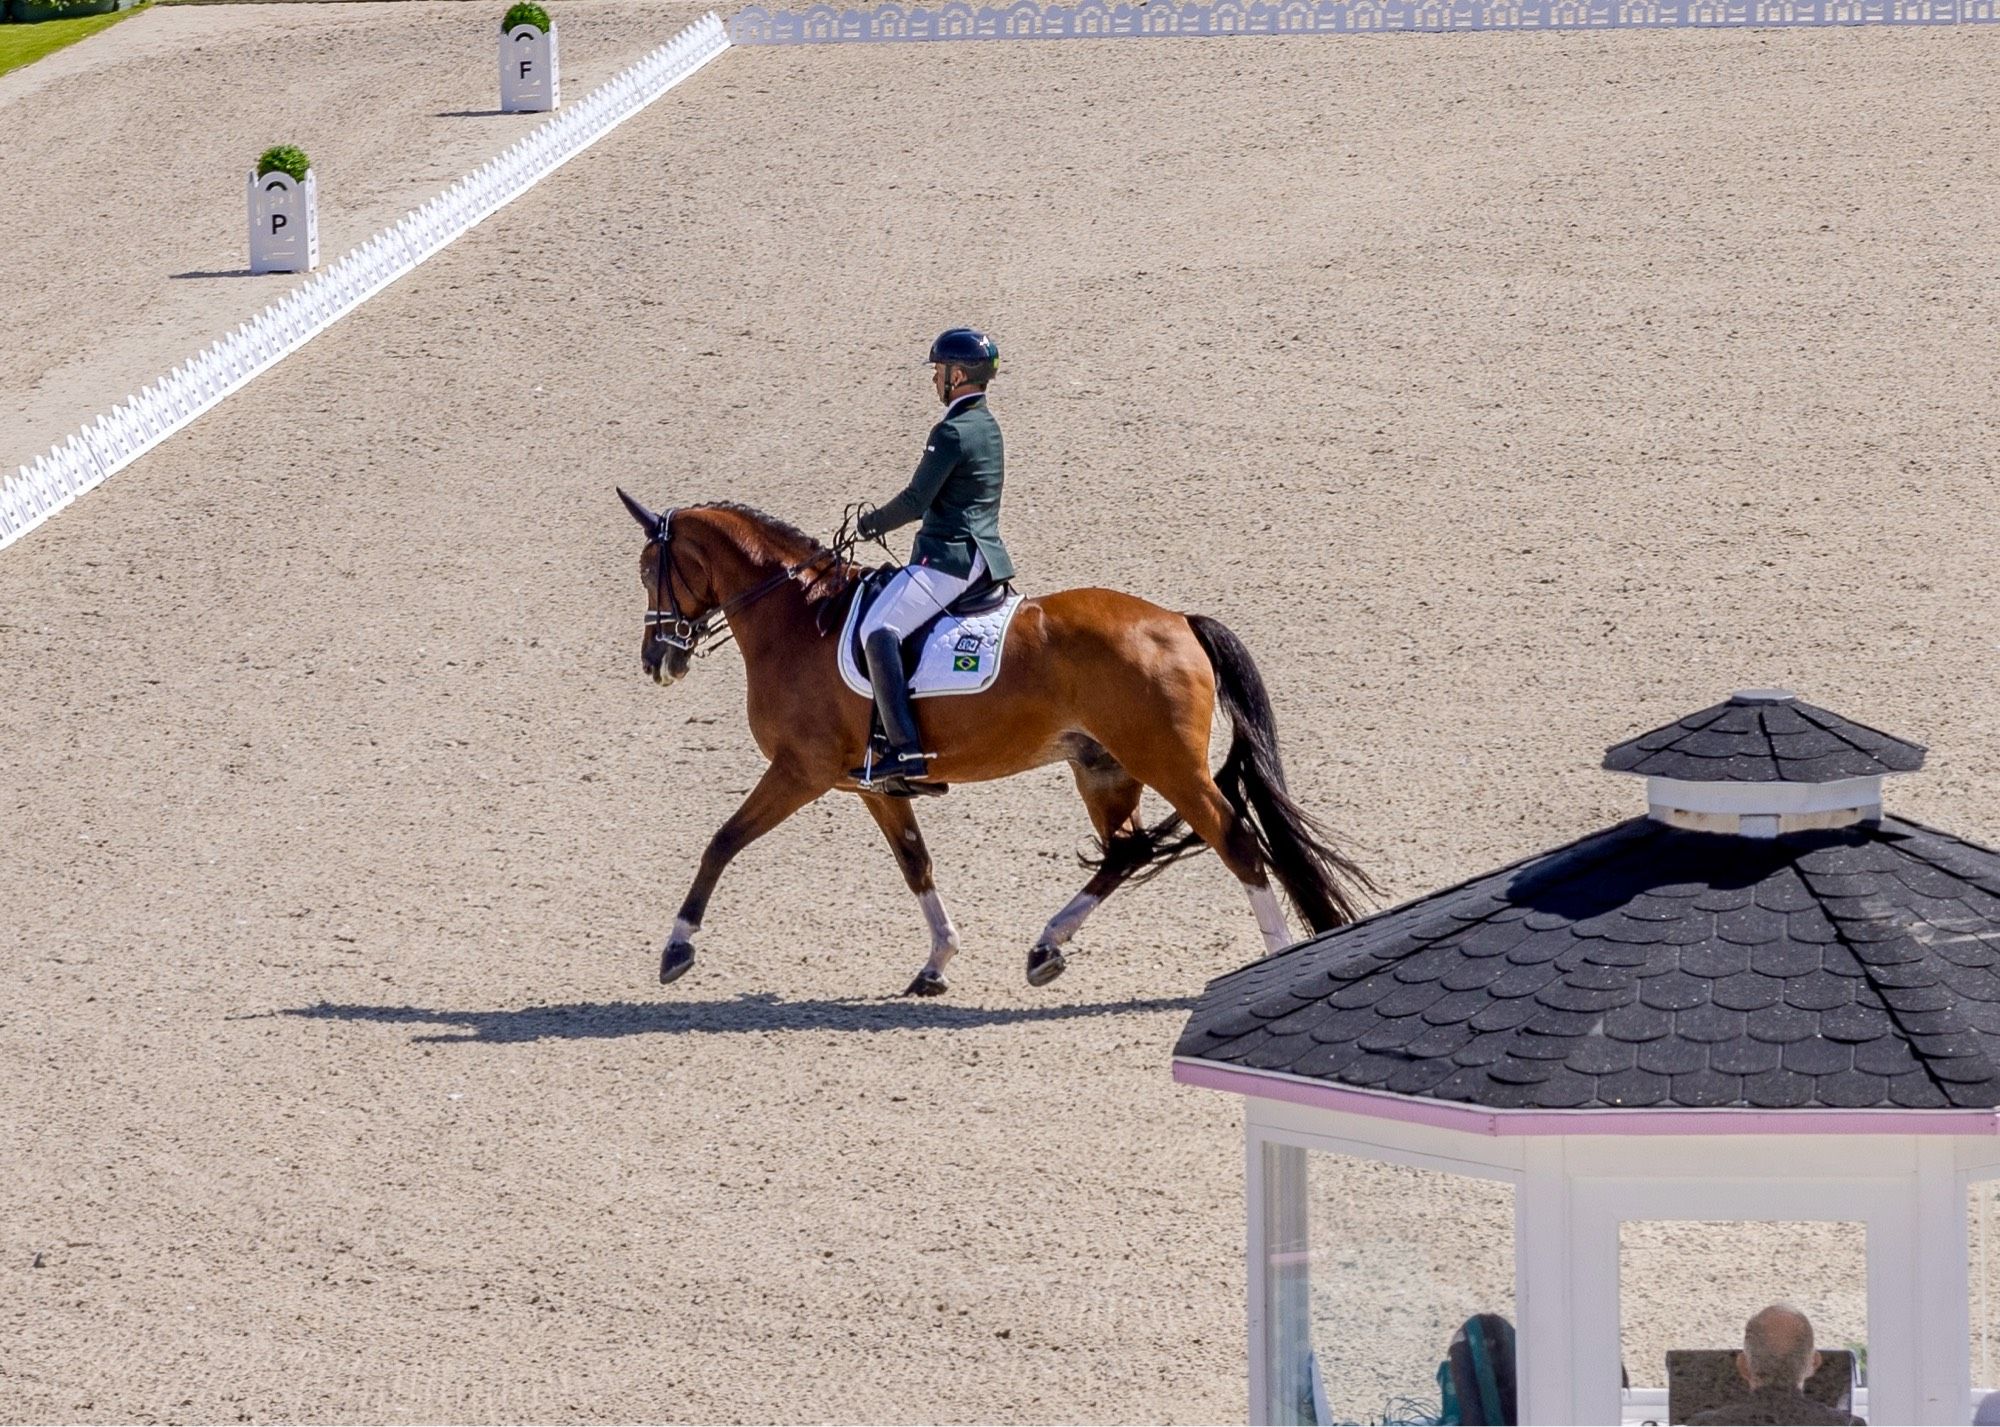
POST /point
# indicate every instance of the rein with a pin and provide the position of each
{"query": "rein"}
(698, 636)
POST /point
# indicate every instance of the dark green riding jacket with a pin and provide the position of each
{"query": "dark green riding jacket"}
(957, 492)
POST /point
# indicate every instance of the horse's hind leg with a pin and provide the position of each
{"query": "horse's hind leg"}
(898, 821)
(1196, 798)
(1112, 797)
(1177, 770)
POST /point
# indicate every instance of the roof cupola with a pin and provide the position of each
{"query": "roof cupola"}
(1764, 763)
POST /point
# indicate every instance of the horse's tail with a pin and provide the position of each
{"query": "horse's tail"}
(1140, 854)
(1322, 883)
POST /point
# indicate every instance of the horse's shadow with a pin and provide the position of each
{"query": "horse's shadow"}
(758, 1012)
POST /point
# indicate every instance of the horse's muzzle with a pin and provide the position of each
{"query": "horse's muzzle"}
(665, 665)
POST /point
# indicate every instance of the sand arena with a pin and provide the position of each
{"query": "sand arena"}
(1506, 393)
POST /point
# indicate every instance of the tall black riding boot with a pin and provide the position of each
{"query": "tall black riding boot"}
(905, 759)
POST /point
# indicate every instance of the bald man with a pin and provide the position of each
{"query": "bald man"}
(1777, 1358)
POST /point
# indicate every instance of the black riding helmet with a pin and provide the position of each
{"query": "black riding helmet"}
(965, 347)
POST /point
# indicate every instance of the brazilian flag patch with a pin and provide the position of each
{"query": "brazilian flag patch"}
(965, 663)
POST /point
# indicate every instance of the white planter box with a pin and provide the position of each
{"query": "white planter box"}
(529, 79)
(284, 223)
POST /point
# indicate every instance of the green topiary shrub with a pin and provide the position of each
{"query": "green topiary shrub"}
(526, 12)
(284, 158)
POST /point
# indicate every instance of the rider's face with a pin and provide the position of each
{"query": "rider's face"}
(941, 380)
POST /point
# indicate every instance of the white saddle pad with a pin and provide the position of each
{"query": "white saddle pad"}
(960, 655)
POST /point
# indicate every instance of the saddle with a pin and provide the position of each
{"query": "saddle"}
(955, 651)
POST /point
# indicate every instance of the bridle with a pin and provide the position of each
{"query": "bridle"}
(669, 625)
(698, 636)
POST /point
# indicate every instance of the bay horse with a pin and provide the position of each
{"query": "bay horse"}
(1120, 689)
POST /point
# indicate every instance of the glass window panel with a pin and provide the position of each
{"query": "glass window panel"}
(1983, 1242)
(1694, 1284)
(1400, 1258)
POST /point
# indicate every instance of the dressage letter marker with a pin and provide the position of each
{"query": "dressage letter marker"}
(284, 223)
(529, 83)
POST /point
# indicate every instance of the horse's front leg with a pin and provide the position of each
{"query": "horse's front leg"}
(898, 821)
(781, 792)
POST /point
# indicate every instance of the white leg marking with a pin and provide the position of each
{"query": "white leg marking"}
(1270, 918)
(1066, 923)
(944, 936)
(684, 930)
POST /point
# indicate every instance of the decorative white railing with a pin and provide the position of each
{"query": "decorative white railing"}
(141, 422)
(893, 23)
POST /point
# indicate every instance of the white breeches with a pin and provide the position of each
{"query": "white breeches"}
(917, 593)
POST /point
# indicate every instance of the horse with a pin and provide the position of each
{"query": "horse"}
(1120, 689)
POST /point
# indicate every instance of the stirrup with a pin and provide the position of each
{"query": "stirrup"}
(890, 786)
(897, 776)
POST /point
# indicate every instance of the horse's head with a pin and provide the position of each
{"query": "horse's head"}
(679, 599)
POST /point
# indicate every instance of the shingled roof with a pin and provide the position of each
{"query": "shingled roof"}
(1764, 736)
(1650, 966)
(1653, 964)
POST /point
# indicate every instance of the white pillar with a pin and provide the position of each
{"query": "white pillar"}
(1543, 1362)
(1943, 1289)
(1280, 1283)
(1894, 1332)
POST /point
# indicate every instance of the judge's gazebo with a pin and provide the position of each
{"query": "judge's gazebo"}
(1765, 1000)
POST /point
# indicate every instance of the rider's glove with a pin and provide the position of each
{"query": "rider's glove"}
(865, 526)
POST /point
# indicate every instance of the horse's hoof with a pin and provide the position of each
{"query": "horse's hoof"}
(1045, 964)
(675, 961)
(928, 983)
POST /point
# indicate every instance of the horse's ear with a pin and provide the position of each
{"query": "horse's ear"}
(647, 520)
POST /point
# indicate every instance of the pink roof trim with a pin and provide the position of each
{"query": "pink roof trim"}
(1476, 1120)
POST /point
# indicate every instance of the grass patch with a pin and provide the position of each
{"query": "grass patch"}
(24, 44)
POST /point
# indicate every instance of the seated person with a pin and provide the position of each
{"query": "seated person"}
(1777, 1358)
(1476, 1377)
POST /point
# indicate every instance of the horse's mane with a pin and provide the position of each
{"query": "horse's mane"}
(782, 528)
(826, 585)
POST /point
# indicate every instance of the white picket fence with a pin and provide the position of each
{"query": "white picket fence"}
(141, 422)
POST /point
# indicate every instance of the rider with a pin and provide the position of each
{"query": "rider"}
(956, 491)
